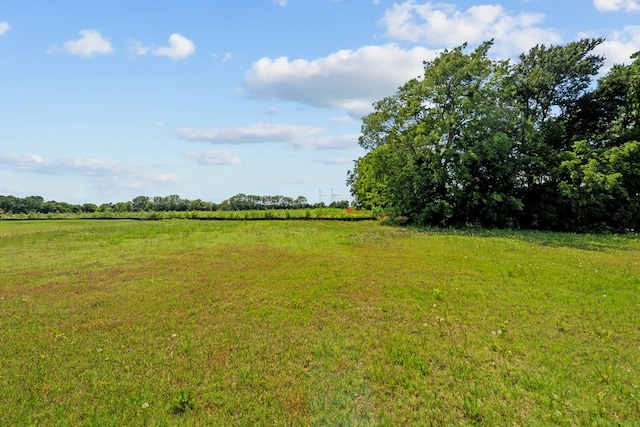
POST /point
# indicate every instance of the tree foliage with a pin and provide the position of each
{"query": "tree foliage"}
(243, 202)
(530, 144)
(239, 202)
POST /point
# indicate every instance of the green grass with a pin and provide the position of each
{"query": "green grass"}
(315, 323)
(264, 214)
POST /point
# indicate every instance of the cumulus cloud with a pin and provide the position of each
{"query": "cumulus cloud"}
(304, 137)
(89, 43)
(350, 80)
(179, 48)
(615, 5)
(338, 161)
(21, 161)
(74, 166)
(343, 119)
(4, 27)
(619, 46)
(444, 25)
(214, 157)
(255, 133)
(328, 142)
(89, 168)
(105, 178)
(282, 3)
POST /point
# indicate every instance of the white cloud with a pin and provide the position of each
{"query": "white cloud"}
(21, 161)
(304, 137)
(340, 142)
(615, 5)
(343, 119)
(179, 48)
(619, 46)
(104, 178)
(348, 79)
(282, 3)
(444, 25)
(110, 186)
(224, 57)
(4, 27)
(338, 161)
(65, 166)
(164, 178)
(91, 167)
(90, 42)
(256, 133)
(137, 48)
(214, 157)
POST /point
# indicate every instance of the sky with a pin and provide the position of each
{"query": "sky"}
(103, 101)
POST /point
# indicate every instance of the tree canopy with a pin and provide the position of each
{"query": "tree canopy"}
(533, 144)
(173, 202)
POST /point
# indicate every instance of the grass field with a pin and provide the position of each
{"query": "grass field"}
(314, 323)
(268, 214)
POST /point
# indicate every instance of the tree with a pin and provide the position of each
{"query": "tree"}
(484, 142)
(432, 143)
(123, 207)
(106, 207)
(31, 204)
(610, 115)
(8, 204)
(602, 173)
(141, 203)
(554, 77)
(241, 202)
(602, 186)
(549, 84)
(89, 207)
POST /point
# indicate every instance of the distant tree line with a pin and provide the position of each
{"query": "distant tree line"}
(239, 202)
(243, 202)
(534, 144)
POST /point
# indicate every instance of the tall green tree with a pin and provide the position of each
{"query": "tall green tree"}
(439, 149)
(486, 142)
(141, 203)
(549, 83)
(610, 115)
(601, 178)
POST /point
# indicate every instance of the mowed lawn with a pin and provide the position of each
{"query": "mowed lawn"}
(314, 323)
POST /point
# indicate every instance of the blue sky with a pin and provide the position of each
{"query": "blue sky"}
(103, 101)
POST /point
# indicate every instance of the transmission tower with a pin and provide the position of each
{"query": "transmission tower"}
(334, 196)
(320, 196)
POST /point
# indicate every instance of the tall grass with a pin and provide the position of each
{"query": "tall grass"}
(314, 323)
(264, 214)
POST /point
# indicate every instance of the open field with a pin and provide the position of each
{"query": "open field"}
(314, 323)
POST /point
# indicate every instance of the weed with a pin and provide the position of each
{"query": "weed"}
(471, 407)
(181, 402)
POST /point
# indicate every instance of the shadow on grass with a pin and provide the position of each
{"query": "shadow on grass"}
(586, 241)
